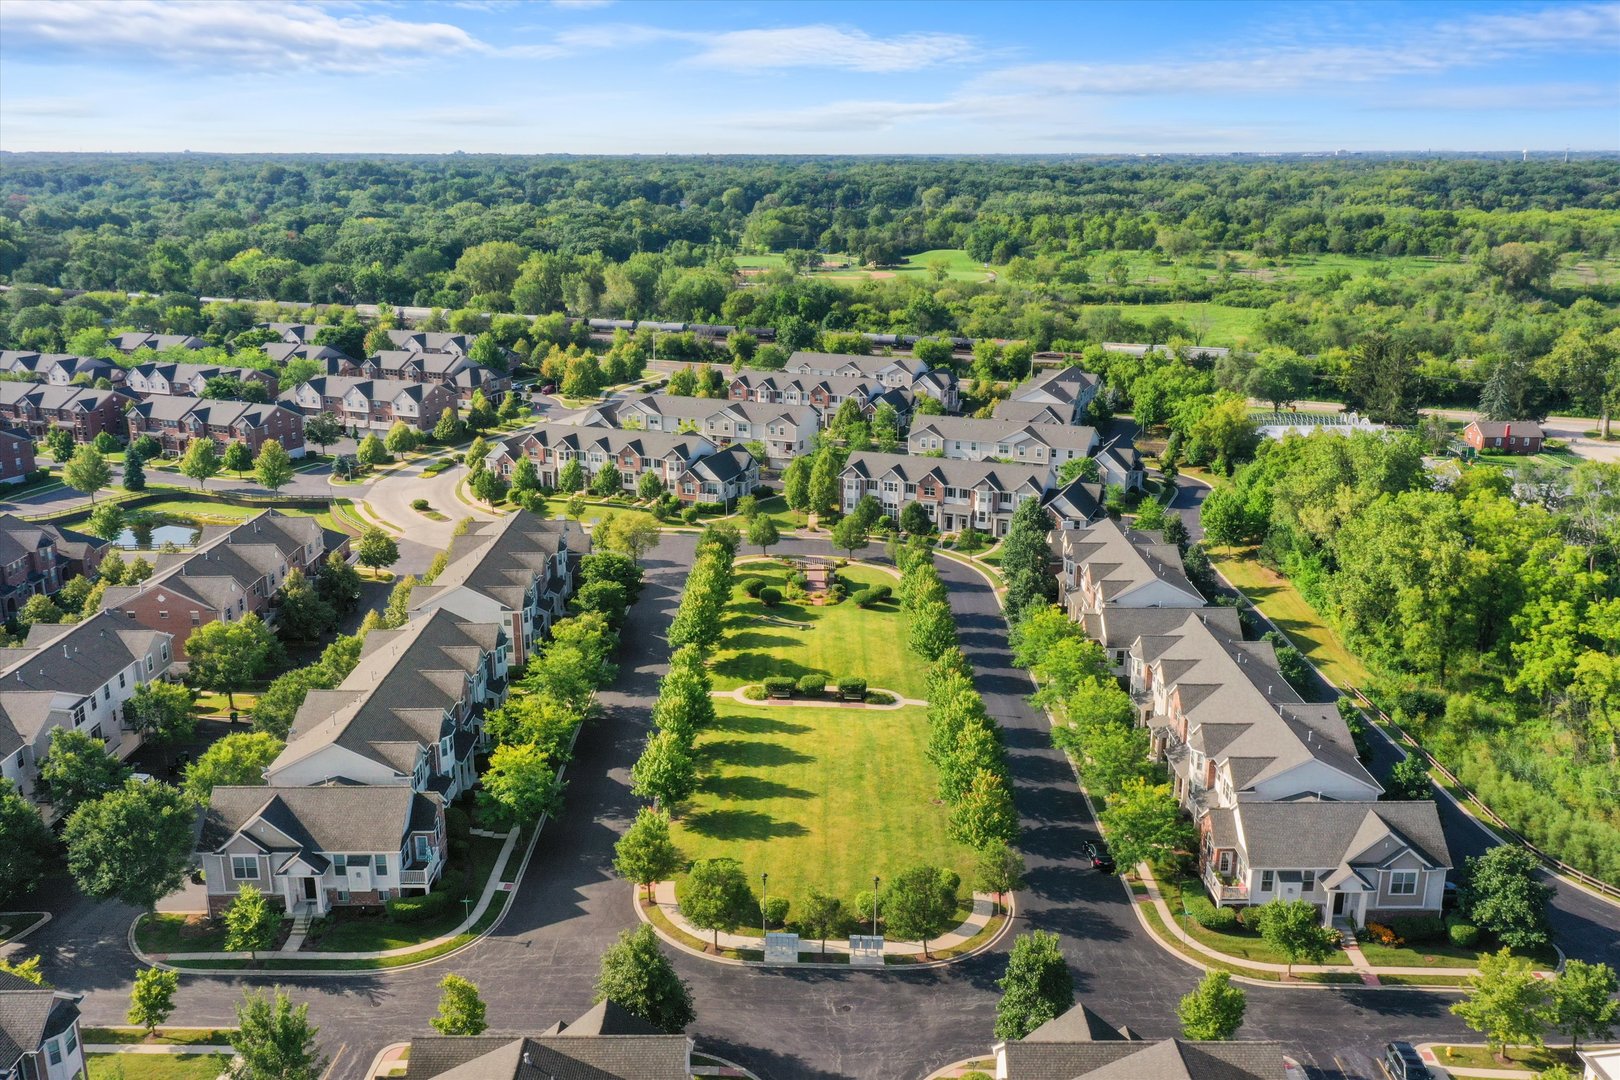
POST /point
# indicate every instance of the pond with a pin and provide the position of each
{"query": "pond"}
(146, 535)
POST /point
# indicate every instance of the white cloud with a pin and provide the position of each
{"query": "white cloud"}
(815, 46)
(58, 108)
(1495, 97)
(294, 36)
(1329, 65)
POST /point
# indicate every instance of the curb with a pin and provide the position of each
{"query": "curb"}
(377, 1062)
(1006, 924)
(44, 917)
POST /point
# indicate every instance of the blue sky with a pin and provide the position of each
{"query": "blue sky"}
(587, 76)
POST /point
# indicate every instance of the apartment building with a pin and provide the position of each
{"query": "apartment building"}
(410, 714)
(372, 404)
(956, 494)
(40, 558)
(1107, 566)
(233, 571)
(136, 340)
(161, 379)
(16, 457)
(721, 477)
(825, 393)
(333, 361)
(452, 369)
(786, 430)
(1066, 391)
(970, 439)
(666, 455)
(319, 848)
(518, 572)
(78, 676)
(176, 421)
(39, 1032)
(897, 372)
(36, 408)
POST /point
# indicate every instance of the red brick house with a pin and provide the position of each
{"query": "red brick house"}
(16, 456)
(1505, 436)
(36, 409)
(175, 421)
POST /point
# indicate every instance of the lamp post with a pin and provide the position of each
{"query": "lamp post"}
(875, 881)
(764, 895)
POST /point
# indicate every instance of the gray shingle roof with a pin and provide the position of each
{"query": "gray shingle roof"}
(1309, 834)
(76, 658)
(1031, 412)
(330, 817)
(872, 465)
(502, 560)
(580, 440)
(28, 1015)
(1124, 560)
(1172, 1059)
(1074, 437)
(1497, 429)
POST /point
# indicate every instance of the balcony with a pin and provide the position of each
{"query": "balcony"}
(1223, 888)
(419, 875)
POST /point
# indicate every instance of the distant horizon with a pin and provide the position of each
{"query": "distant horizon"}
(808, 77)
(1586, 153)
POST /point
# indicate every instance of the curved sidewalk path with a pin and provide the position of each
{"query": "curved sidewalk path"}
(664, 898)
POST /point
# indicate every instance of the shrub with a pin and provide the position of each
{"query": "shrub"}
(419, 504)
(836, 594)
(770, 596)
(751, 586)
(813, 684)
(690, 515)
(852, 689)
(879, 697)
(799, 578)
(709, 507)
(1210, 917)
(416, 909)
(776, 911)
(1383, 935)
(1463, 935)
(1416, 928)
(754, 693)
(881, 592)
(864, 598)
(793, 591)
(457, 828)
(778, 686)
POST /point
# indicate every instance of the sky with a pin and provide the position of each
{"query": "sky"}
(598, 76)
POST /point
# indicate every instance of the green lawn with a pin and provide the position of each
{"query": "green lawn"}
(1443, 954)
(1520, 1057)
(1240, 944)
(822, 797)
(164, 1036)
(838, 640)
(1282, 603)
(161, 932)
(1560, 459)
(1211, 324)
(154, 1066)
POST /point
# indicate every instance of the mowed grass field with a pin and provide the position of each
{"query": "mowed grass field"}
(837, 640)
(1282, 603)
(822, 797)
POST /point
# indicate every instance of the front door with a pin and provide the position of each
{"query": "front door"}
(1338, 904)
(309, 888)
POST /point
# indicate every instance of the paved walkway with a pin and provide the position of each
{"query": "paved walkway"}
(983, 907)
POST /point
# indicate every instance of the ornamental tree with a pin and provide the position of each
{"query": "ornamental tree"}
(274, 1039)
(1214, 1011)
(717, 897)
(920, 903)
(1037, 987)
(201, 461)
(645, 854)
(87, 471)
(274, 468)
(251, 923)
(151, 1001)
(461, 1010)
(637, 976)
(1506, 1003)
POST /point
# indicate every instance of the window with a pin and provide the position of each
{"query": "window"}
(72, 1039)
(340, 863)
(424, 850)
(106, 692)
(245, 867)
(1403, 883)
(380, 864)
(1307, 880)
(1268, 879)
(53, 1050)
(120, 680)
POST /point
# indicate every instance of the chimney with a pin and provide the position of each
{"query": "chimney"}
(1507, 430)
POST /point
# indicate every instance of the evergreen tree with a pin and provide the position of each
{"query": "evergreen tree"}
(134, 471)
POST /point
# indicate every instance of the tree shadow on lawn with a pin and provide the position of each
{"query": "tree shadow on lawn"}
(757, 724)
(750, 789)
(746, 752)
(758, 639)
(742, 825)
(756, 666)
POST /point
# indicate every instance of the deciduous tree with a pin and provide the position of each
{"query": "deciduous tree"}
(238, 758)
(1506, 1003)
(717, 897)
(919, 903)
(133, 844)
(645, 854)
(226, 656)
(273, 468)
(151, 1001)
(1214, 1011)
(251, 923)
(201, 461)
(638, 977)
(1037, 987)
(27, 847)
(78, 769)
(274, 1040)
(461, 1010)
(87, 471)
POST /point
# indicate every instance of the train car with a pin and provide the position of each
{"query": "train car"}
(961, 343)
(661, 327)
(906, 341)
(762, 333)
(882, 339)
(711, 330)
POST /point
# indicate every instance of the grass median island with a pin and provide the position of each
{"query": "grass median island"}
(821, 797)
(154, 1066)
(836, 640)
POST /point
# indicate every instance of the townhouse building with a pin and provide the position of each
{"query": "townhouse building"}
(606, 1043)
(897, 372)
(176, 421)
(58, 369)
(667, 455)
(319, 848)
(452, 369)
(372, 404)
(518, 572)
(16, 457)
(162, 379)
(231, 572)
(1067, 391)
(410, 714)
(135, 340)
(1107, 566)
(432, 341)
(77, 676)
(825, 393)
(721, 477)
(1358, 861)
(1031, 412)
(1119, 465)
(333, 361)
(970, 439)
(1080, 1045)
(40, 558)
(39, 1032)
(956, 494)
(1075, 504)
(37, 408)
(786, 430)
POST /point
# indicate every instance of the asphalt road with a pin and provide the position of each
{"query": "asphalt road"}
(785, 1025)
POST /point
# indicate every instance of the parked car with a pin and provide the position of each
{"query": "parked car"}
(1099, 858)
(1401, 1061)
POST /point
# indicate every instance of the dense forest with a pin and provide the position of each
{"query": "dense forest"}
(1473, 267)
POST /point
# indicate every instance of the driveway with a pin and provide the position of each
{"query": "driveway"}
(539, 966)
